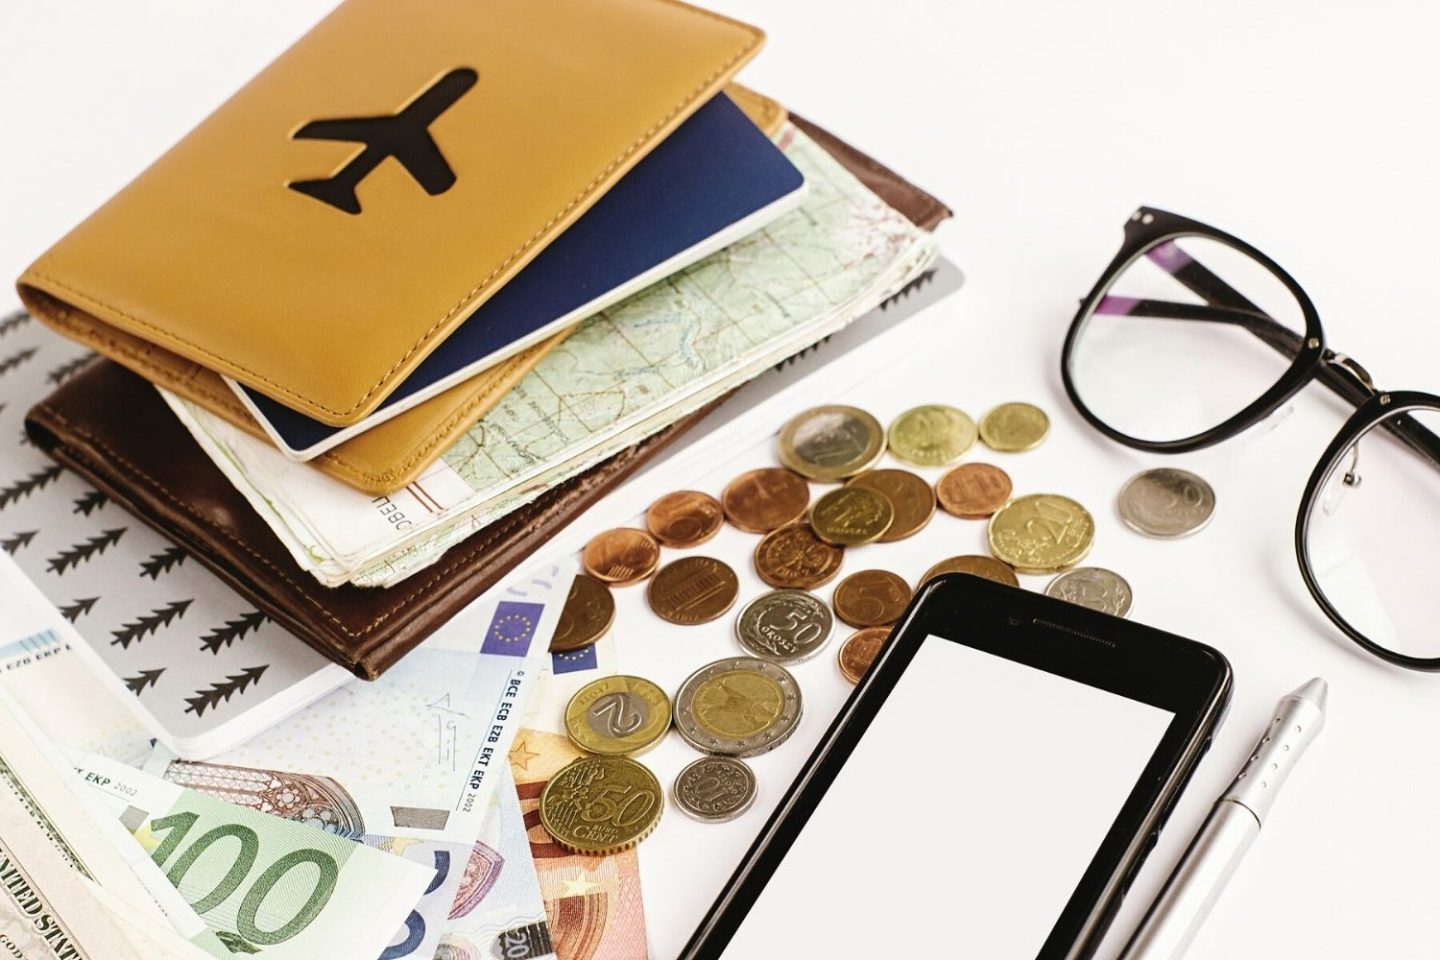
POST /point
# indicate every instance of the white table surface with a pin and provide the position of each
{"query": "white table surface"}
(1305, 128)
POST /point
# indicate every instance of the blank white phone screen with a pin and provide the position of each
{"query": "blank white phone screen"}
(963, 820)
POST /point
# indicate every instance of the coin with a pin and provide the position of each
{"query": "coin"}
(599, 806)
(860, 650)
(794, 557)
(715, 789)
(693, 590)
(912, 498)
(686, 518)
(621, 556)
(851, 516)
(932, 435)
(871, 598)
(973, 490)
(784, 626)
(759, 501)
(588, 612)
(1093, 587)
(1166, 502)
(1041, 533)
(1014, 426)
(740, 707)
(987, 567)
(831, 443)
(617, 716)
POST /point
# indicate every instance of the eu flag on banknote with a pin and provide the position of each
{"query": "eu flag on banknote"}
(512, 628)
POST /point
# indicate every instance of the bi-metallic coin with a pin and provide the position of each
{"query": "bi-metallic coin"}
(739, 707)
(1012, 427)
(693, 590)
(715, 789)
(784, 626)
(1166, 503)
(831, 443)
(1041, 533)
(1093, 587)
(598, 806)
(618, 716)
(931, 435)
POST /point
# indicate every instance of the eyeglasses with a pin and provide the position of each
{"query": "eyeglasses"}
(1191, 336)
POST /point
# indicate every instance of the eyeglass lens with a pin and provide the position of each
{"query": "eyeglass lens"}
(1373, 529)
(1190, 333)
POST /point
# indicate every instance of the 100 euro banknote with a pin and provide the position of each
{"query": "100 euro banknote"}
(261, 883)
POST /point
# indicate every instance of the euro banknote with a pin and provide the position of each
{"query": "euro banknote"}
(259, 882)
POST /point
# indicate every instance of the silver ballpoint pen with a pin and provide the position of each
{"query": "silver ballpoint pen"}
(1177, 913)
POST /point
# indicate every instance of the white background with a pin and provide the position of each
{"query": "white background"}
(1305, 128)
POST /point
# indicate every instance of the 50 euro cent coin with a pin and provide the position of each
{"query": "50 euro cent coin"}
(600, 806)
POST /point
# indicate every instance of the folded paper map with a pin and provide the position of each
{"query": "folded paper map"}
(626, 373)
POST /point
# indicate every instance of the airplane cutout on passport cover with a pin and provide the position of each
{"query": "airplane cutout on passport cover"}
(404, 136)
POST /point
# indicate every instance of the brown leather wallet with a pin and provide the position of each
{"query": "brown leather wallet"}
(111, 426)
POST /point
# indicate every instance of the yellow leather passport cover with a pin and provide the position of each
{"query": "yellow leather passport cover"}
(333, 221)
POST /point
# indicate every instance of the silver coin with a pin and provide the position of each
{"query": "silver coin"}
(1166, 502)
(715, 789)
(738, 707)
(1093, 587)
(784, 626)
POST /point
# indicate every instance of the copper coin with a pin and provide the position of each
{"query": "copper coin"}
(987, 567)
(686, 518)
(766, 499)
(871, 598)
(974, 490)
(860, 650)
(589, 610)
(621, 556)
(794, 557)
(912, 498)
(693, 590)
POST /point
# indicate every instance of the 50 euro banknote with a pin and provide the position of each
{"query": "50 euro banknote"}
(262, 884)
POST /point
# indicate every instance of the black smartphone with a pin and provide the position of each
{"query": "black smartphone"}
(989, 790)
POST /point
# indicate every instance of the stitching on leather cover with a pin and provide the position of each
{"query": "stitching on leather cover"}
(482, 540)
(755, 38)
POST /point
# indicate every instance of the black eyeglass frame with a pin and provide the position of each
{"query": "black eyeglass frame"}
(1311, 360)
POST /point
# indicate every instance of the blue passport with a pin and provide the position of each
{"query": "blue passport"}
(714, 180)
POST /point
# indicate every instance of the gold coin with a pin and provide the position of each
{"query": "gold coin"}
(973, 490)
(693, 590)
(851, 516)
(831, 443)
(759, 501)
(685, 518)
(860, 650)
(588, 612)
(1041, 533)
(871, 598)
(987, 567)
(739, 707)
(1014, 426)
(600, 806)
(912, 498)
(621, 556)
(932, 435)
(617, 716)
(794, 557)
